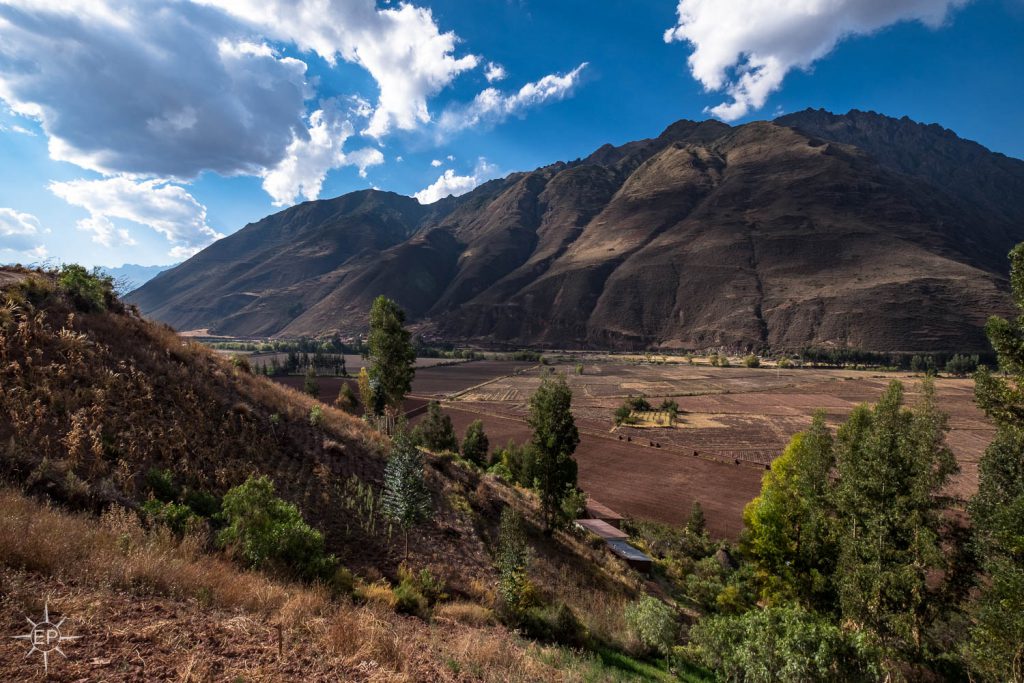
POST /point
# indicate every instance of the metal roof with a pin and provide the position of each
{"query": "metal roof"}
(628, 552)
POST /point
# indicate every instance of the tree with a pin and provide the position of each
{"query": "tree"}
(435, 432)
(310, 385)
(893, 464)
(996, 648)
(346, 398)
(696, 524)
(670, 406)
(555, 438)
(790, 537)
(475, 444)
(961, 364)
(782, 644)
(654, 623)
(513, 563)
(365, 391)
(267, 532)
(391, 353)
(406, 499)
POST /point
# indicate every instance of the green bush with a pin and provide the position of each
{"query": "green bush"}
(174, 516)
(266, 532)
(316, 416)
(161, 484)
(751, 361)
(88, 290)
(654, 623)
(203, 503)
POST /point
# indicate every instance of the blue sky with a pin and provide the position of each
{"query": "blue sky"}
(141, 130)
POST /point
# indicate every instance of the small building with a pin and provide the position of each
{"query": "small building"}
(602, 529)
(595, 510)
(634, 558)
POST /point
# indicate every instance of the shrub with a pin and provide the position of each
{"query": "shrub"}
(346, 398)
(266, 532)
(475, 444)
(174, 516)
(654, 623)
(622, 414)
(316, 416)
(409, 600)
(513, 563)
(751, 361)
(573, 504)
(785, 362)
(241, 363)
(161, 484)
(88, 290)
(203, 503)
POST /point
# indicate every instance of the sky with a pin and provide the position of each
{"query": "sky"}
(140, 131)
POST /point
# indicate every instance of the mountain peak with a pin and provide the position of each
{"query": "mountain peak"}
(706, 236)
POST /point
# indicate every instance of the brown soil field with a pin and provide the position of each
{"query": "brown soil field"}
(733, 422)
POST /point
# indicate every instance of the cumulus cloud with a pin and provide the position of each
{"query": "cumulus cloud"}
(150, 87)
(402, 48)
(494, 72)
(20, 233)
(746, 47)
(491, 106)
(158, 204)
(436, 163)
(309, 157)
(450, 184)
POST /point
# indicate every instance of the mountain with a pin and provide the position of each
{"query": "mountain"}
(132, 276)
(815, 229)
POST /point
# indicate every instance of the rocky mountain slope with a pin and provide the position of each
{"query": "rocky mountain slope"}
(815, 229)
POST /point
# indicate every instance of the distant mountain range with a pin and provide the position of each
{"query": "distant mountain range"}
(812, 230)
(132, 276)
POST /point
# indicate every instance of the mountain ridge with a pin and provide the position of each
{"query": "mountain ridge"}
(815, 229)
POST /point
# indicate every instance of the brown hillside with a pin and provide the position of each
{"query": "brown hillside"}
(814, 230)
(94, 398)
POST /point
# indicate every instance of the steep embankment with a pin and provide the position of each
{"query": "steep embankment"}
(94, 399)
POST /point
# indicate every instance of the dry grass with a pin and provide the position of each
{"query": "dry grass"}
(163, 594)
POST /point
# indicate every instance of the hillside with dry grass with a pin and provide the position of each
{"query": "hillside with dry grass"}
(103, 409)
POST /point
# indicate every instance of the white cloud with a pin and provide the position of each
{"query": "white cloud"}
(494, 72)
(450, 158)
(491, 106)
(21, 233)
(746, 47)
(152, 87)
(158, 204)
(450, 184)
(401, 47)
(436, 163)
(308, 159)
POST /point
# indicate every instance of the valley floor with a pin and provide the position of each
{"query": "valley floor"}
(734, 422)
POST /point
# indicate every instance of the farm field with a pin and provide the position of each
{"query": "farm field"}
(733, 422)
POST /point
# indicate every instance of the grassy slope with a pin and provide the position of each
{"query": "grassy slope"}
(96, 399)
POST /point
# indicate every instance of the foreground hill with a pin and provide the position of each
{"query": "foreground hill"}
(856, 231)
(101, 411)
